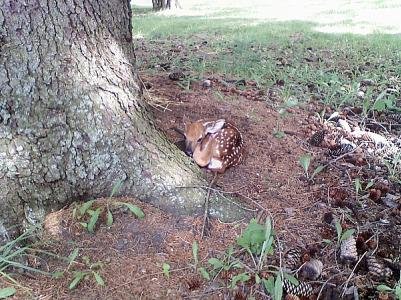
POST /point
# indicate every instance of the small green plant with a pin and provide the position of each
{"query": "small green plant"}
(7, 292)
(342, 236)
(195, 253)
(166, 269)
(320, 116)
(278, 133)
(274, 286)
(290, 102)
(253, 239)
(185, 84)
(88, 213)
(283, 111)
(226, 263)
(394, 168)
(258, 241)
(359, 188)
(241, 277)
(12, 254)
(396, 290)
(91, 271)
(305, 161)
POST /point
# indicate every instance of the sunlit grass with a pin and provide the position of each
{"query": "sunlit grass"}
(309, 63)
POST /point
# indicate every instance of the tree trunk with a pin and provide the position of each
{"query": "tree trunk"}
(161, 4)
(72, 122)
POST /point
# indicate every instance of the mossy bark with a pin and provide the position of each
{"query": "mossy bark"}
(72, 122)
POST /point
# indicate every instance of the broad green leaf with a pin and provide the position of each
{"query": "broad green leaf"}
(230, 251)
(96, 266)
(237, 265)
(398, 291)
(268, 228)
(73, 255)
(242, 277)
(84, 225)
(269, 285)
(110, 220)
(90, 212)
(291, 279)
(379, 105)
(93, 220)
(98, 278)
(381, 95)
(253, 237)
(347, 234)
(58, 274)
(7, 292)
(134, 209)
(77, 278)
(317, 170)
(116, 187)
(278, 288)
(84, 207)
(370, 183)
(304, 160)
(216, 263)
(195, 249)
(384, 288)
(257, 279)
(327, 241)
(204, 273)
(166, 269)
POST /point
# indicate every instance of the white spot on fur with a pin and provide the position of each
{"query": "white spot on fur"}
(215, 164)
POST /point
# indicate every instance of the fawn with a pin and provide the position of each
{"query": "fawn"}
(216, 145)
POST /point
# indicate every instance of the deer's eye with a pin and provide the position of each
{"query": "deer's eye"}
(199, 140)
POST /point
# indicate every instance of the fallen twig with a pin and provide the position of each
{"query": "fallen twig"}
(205, 215)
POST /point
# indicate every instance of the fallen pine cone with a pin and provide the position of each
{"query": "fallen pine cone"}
(348, 252)
(341, 149)
(312, 269)
(302, 290)
(176, 75)
(317, 138)
(292, 258)
(377, 270)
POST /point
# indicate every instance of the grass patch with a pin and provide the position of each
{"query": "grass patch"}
(305, 63)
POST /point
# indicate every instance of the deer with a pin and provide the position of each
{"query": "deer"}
(216, 145)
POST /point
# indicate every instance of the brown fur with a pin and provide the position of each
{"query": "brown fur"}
(216, 145)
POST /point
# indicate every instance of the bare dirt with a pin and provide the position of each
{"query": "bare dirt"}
(270, 181)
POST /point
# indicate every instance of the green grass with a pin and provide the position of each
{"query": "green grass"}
(309, 64)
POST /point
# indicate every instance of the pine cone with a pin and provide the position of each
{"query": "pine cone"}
(312, 269)
(348, 252)
(302, 290)
(377, 270)
(292, 258)
(317, 138)
(340, 150)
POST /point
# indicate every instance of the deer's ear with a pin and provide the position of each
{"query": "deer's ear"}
(185, 120)
(213, 127)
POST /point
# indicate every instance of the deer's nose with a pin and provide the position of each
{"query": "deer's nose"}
(188, 151)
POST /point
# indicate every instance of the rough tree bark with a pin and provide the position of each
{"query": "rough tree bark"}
(72, 122)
